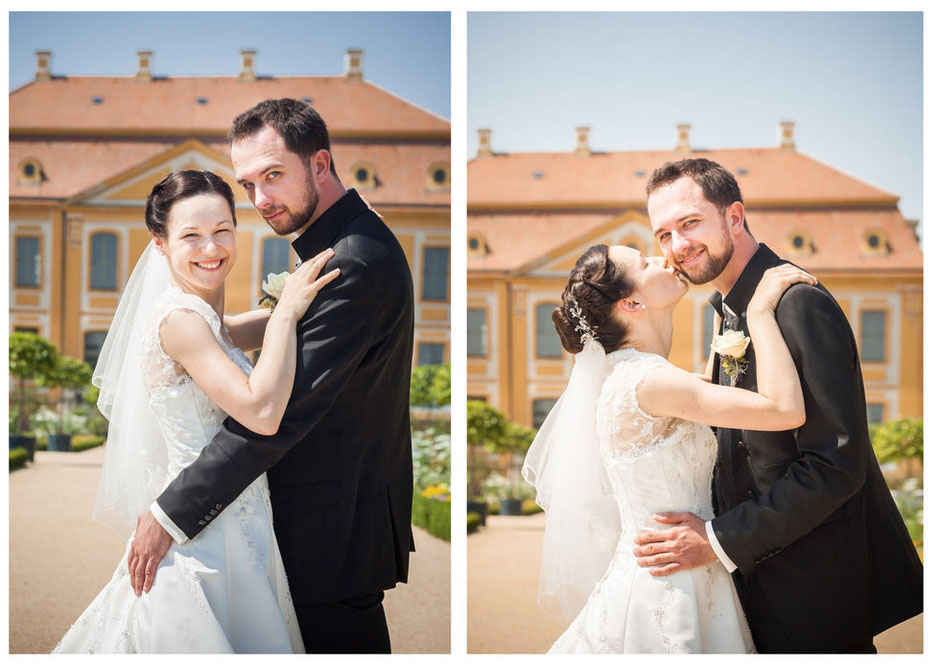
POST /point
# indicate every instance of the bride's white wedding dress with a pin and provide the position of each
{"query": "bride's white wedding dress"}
(655, 465)
(224, 591)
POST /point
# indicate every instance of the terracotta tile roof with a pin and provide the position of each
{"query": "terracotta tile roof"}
(514, 240)
(566, 179)
(837, 236)
(72, 166)
(170, 105)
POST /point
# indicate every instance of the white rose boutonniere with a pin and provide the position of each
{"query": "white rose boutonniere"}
(731, 347)
(272, 287)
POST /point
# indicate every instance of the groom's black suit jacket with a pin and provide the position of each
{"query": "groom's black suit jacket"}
(805, 514)
(339, 467)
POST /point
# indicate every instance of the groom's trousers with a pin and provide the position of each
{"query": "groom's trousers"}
(350, 626)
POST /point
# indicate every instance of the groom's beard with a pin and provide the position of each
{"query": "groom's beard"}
(713, 264)
(293, 221)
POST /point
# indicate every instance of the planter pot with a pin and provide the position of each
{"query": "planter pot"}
(28, 443)
(479, 508)
(60, 442)
(510, 507)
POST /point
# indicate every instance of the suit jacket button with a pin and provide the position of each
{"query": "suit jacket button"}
(213, 512)
(742, 445)
(218, 506)
(202, 523)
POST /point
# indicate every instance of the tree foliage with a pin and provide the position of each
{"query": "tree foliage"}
(430, 385)
(31, 356)
(484, 423)
(899, 439)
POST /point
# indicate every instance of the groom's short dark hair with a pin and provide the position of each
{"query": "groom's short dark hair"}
(303, 130)
(718, 185)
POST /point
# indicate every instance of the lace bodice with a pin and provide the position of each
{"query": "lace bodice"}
(654, 463)
(187, 418)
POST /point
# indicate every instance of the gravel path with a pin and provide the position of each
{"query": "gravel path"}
(60, 559)
(503, 570)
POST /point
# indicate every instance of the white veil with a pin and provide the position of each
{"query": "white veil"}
(564, 465)
(135, 461)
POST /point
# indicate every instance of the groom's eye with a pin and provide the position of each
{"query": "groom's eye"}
(663, 237)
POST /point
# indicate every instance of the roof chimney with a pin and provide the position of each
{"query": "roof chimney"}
(143, 67)
(785, 136)
(483, 146)
(353, 64)
(248, 65)
(43, 60)
(583, 148)
(682, 138)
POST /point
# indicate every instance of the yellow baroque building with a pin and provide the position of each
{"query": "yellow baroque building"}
(86, 151)
(531, 215)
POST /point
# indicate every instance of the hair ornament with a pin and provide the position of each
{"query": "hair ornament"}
(587, 331)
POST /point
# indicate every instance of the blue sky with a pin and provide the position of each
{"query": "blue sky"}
(853, 83)
(405, 53)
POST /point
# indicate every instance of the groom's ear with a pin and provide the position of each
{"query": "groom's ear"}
(320, 164)
(735, 213)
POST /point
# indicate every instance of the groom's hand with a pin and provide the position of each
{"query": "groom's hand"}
(682, 547)
(151, 542)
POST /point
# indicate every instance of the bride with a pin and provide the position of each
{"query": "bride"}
(170, 370)
(629, 439)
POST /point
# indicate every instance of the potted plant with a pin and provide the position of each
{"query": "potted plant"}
(69, 375)
(30, 356)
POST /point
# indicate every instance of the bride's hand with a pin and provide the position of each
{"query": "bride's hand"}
(773, 285)
(303, 285)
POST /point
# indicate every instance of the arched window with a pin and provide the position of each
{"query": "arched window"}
(104, 261)
(275, 256)
(547, 342)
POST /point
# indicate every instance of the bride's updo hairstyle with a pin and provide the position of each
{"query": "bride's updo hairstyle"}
(178, 186)
(596, 284)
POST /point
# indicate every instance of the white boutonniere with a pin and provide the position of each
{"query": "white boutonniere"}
(731, 347)
(272, 287)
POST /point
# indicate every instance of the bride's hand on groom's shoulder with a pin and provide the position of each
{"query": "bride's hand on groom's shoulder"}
(684, 546)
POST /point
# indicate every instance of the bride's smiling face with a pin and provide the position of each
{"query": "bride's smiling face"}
(658, 285)
(199, 243)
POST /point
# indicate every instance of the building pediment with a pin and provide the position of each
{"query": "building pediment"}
(130, 187)
(630, 228)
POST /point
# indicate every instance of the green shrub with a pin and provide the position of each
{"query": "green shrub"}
(86, 442)
(530, 507)
(473, 522)
(431, 515)
(910, 501)
(18, 457)
(899, 439)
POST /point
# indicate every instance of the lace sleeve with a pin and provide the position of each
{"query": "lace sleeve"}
(624, 428)
(157, 367)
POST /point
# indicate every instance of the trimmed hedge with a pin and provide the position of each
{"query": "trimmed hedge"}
(473, 522)
(530, 507)
(431, 515)
(18, 457)
(82, 443)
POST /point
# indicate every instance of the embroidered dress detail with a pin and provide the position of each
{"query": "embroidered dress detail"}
(655, 464)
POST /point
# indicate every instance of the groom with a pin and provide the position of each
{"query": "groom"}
(339, 467)
(819, 554)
